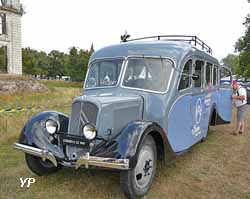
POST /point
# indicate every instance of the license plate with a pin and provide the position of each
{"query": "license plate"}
(73, 140)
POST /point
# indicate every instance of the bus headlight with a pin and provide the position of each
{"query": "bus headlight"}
(89, 131)
(51, 126)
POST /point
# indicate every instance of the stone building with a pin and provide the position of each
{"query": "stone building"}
(10, 37)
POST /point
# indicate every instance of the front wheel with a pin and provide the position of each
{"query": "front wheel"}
(137, 182)
(40, 167)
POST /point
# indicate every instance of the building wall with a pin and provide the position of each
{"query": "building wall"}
(12, 39)
(16, 46)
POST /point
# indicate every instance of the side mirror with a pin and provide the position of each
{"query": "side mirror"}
(195, 76)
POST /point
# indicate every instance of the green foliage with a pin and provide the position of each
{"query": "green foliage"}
(244, 68)
(77, 63)
(231, 61)
(56, 63)
(243, 47)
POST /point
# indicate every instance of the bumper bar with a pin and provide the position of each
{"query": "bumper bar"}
(122, 164)
(87, 160)
(45, 155)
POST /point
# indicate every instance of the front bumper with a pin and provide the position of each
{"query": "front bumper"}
(86, 160)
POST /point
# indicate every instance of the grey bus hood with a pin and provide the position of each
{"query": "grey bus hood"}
(113, 112)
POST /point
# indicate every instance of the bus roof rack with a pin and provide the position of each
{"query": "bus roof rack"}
(186, 38)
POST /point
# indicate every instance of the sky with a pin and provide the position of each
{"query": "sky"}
(60, 24)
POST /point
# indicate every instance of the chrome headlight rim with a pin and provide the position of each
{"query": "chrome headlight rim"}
(86, 129)
(51, 126)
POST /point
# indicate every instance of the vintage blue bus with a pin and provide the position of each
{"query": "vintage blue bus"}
(142, 101)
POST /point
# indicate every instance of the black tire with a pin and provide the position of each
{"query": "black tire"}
(39, 167)
(136, 182)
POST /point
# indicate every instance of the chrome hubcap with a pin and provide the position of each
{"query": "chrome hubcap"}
(144, 167)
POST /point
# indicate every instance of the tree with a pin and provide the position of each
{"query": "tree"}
(77, 63)
(35, 62)
(244, 64)
(232, 61)
(243, 47)
(29, 61)
(56, 63)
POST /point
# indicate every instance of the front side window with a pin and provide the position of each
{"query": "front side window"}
(148, 73)
(208, 79)
(104, 73)
(185, 76)
(215, 75)
(199, 65)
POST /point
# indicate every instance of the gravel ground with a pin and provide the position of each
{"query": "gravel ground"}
(248, 108)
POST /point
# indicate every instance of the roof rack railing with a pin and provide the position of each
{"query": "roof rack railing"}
(186, 38)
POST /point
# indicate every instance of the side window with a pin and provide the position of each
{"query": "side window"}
(148, 73)
(185, 76)
(208, 73)
(215, 75)
(225, 77)
(199, 65)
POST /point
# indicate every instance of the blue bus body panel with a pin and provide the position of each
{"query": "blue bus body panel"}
(225, 104)
(180, 124)
(190, 115)
(201, 108)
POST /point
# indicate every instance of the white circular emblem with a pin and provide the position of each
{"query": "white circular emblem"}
(198, 111)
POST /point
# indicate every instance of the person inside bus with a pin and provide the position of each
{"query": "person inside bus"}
(240, 99)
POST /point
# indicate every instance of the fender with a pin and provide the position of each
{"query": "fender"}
(35, 134)
(126, 144)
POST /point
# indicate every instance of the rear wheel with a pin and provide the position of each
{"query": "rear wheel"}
(40, 167)
(137, 182)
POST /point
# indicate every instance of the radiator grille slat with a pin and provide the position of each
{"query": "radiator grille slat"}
(74, 119)
(81, 113)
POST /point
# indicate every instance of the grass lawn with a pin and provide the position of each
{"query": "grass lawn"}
(58, 83)
(216, 168)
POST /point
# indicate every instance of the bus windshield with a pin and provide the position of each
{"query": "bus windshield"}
(104, 73)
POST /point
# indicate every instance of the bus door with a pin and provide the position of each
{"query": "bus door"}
(180, 120)
(198, 103)
(224, 108)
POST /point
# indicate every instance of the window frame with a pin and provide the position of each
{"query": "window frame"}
(150, 57)
(202, 73)
(190, 75)
(217, 73)
(231, 78)
(104, 59)
(4, 67)
(205, 83)
(3, 23)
